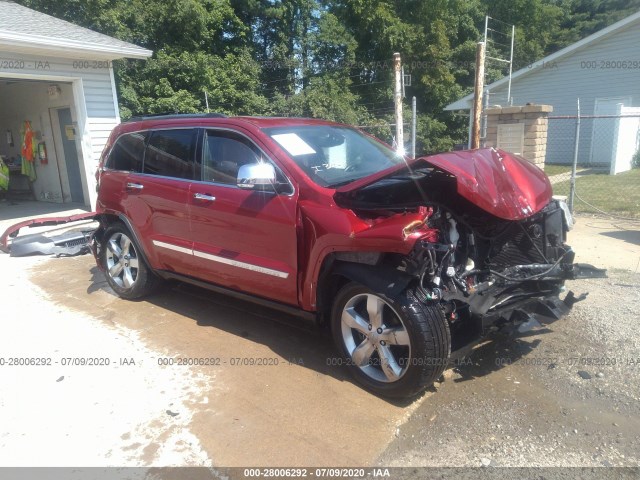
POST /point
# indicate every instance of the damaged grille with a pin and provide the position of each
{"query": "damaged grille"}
(520, 249)
(73, 243)
(536, 240)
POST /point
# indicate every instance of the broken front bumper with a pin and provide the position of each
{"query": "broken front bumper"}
(64, 244)
(524, 293)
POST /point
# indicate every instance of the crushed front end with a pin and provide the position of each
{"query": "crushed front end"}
(490, 273)
(492, 247)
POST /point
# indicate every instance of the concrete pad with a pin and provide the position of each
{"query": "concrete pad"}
(58, 409)
(606, 243)
(16, 211)
(270, 396)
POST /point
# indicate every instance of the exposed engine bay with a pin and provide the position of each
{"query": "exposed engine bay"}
(483, 270)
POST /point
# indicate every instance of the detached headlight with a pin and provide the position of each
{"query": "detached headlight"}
(566, 213)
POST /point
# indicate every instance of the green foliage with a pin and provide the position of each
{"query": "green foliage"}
(635, 160)
(177, 82)
(324, 58)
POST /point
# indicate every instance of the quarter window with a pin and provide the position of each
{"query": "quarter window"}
(127, 153)
(170, 153)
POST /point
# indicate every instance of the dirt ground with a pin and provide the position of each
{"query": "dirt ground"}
(567, 395)
(263, 391)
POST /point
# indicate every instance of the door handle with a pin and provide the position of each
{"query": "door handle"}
(202, 196)
(134, 186)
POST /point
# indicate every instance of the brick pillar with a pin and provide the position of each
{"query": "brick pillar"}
(534, 118)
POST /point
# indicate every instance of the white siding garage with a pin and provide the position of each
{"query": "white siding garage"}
(61, 81)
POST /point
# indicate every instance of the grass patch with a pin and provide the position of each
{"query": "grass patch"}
(551, 170)
(561, 188)
(617, 194)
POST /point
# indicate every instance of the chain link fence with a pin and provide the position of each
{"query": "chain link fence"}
(594, 160)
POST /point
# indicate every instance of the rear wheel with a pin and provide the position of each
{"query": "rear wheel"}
(125, 269)
(394, 347)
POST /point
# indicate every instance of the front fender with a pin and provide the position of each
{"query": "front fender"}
(384, 280)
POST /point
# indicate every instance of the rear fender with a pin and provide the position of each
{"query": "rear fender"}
(105, 221)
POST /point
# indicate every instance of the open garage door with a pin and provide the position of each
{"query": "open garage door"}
(56, 172)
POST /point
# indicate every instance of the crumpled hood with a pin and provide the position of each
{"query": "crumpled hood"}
(503, 184)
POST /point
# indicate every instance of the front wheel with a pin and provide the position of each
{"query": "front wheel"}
(394, 347)
(126, 271)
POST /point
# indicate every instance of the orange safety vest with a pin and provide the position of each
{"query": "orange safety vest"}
(27, 143)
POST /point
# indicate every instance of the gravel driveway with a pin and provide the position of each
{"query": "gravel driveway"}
(566, 395)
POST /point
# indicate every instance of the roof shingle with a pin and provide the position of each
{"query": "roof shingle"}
(32, 26)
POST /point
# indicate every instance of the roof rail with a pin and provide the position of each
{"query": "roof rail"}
(170, 116)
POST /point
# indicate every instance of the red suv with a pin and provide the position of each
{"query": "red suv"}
(404, 260)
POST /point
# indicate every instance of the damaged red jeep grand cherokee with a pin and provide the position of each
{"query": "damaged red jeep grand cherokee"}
(406, 261)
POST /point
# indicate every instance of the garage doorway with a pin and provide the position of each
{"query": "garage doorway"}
(49, 107)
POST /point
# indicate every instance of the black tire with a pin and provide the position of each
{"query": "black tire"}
(131, 282)
(424, 326)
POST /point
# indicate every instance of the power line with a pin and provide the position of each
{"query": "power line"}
(313, 75)
(355, 64)
(498, 31)
(377, 102)
(498, 43)
(500, 21)
(377, 125)
(369, 83)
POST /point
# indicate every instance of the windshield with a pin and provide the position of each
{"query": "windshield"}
(333, 155)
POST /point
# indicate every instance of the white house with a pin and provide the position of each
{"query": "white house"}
(58, 77)
(603, 71)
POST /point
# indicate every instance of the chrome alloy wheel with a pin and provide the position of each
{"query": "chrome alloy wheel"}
(122, 260)
(375, 338)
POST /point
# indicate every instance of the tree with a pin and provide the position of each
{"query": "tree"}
(324, 58)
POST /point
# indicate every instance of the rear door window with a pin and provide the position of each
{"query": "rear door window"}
(127, 154)
(170, 153)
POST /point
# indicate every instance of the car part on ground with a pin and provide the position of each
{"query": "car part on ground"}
(67, 244)
(12, 232)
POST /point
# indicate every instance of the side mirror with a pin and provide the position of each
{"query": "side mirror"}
(257, 176)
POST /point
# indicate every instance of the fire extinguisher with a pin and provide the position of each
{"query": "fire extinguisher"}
(42, 153)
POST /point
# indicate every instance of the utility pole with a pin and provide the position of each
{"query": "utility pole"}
(413, 127)
(397, 97)
(477, 96)
(206, 99)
